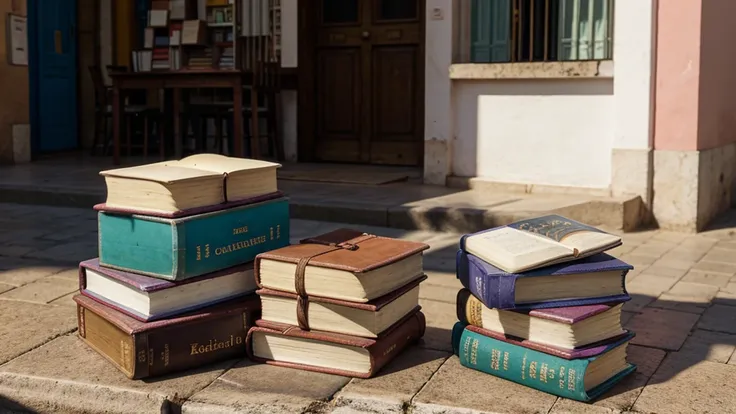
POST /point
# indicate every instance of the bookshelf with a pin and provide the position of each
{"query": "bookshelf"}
(209, 35)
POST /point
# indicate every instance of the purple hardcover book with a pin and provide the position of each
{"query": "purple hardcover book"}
(148, 299)
(497, 289)
(569, 315)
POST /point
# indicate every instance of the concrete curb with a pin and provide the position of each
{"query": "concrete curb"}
(26, 392)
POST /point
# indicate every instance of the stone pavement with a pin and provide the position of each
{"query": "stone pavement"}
(683, 311)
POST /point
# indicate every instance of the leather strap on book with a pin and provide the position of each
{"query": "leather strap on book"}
(302, 300)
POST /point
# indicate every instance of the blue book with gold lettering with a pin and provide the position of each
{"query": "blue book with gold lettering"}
(185, 247)
(581, 379)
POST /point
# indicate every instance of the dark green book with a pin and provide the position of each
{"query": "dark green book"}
(581, 379)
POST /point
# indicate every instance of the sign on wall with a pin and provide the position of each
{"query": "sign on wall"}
(16, 47)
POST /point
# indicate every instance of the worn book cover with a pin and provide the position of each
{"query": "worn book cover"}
(537, 242)
(185, 247)
(498, 289)
(580, 379)
(148, 349)
(469, 311)
(341, 255)
(124, 291)
(378, 351)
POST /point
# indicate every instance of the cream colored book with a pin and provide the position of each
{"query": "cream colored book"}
(194, 182)
(367, 320)
(538, 242)
(566, 328)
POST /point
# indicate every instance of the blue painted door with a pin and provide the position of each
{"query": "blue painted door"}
(56, 75)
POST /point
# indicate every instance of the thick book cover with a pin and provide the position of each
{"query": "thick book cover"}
(561, 377)
(339, 306)
(345, 249)
(149, 284)
(497, 289)
(191, 246)
(382, 349)
(142, 350)
(567, 315)
(191, 211)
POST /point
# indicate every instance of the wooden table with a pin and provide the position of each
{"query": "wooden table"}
(177, 80)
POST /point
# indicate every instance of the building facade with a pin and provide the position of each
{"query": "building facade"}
(604, 97)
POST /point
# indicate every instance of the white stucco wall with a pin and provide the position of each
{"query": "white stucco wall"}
(550, 132)
(562, 131)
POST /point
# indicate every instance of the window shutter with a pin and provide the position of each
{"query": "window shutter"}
(490, 31)
(584, 29)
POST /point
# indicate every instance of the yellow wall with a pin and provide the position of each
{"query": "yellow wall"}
(13, 84)
(124, 33)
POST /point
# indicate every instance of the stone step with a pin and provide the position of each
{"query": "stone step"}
(403, 206)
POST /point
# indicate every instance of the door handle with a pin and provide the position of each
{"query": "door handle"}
(366, 35)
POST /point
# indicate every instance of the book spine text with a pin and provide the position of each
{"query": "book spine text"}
(180, 347)
(564, 378)
(233, 237)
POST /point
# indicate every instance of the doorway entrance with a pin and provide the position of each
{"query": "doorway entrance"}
(52, 47)
(362, 99)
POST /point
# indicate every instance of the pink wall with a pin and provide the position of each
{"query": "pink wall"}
(678, 70)
(717, 112)
(696, 75)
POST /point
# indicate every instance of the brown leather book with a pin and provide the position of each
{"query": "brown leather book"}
(343, 264)
(350, 356)
(334, 315)
(148, 349)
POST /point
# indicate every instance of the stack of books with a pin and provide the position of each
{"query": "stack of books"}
(344, 303)
(173, 286)
(541, 306)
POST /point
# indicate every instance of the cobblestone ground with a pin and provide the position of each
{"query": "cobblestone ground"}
(683, 311)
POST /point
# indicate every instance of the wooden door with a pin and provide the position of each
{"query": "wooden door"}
(369, 81)
(54, 83)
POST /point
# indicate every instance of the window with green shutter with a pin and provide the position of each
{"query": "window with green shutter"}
(540, 30)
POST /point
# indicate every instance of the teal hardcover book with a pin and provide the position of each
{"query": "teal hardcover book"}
(185, 247)
(544, 372)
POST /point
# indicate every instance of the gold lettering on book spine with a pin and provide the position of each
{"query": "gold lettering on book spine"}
(82, 330)
(125, 356)
(474, 311)
(214, 345)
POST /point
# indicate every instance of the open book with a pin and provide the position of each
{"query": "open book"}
(197, 181)
(538, 242)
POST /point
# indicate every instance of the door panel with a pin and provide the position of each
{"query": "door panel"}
(338, 104)
(373, 113)
(57, 76)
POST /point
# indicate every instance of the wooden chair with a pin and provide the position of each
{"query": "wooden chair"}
(132, 113)
(261, 103)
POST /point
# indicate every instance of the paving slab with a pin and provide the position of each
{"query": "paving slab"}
(260, 388)
(5, 287)
(73, 252)
(713, 279)
(20, 271)
(682, 386)
(42, 290)
(713, 267)
(660, 328)
(24, 326)
(719, 318)
(622, 396)
(441, 317)
(457, 389)
(662, 271)
(392, 390)
(65, 375)
(709, 346)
